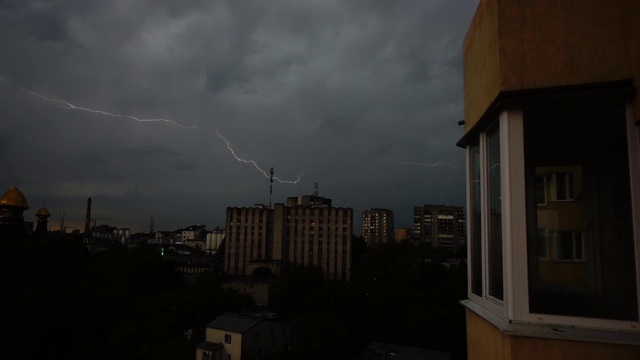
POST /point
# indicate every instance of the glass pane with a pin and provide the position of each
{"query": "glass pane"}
(588, 267)
(475, 218)
(495, 213)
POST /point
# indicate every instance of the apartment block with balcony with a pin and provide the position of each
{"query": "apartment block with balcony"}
(553, 179)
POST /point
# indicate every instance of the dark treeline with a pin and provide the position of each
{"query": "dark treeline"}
(60, 301)
(399, 293)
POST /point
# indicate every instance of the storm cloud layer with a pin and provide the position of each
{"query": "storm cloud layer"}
(354, 94)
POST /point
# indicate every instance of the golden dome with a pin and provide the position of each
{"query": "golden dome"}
(14, 197)
(43, 212)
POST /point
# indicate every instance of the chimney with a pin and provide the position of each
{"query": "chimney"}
(87, 220)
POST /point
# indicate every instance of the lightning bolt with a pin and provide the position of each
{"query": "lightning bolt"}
(68, 105)
(256, 165)
(420, 164)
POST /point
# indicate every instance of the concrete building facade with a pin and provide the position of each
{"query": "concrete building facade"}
(440, 225)
(307, 231)
(377, 226)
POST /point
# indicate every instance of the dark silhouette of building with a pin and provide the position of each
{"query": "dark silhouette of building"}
(12, 206)
(42, 223)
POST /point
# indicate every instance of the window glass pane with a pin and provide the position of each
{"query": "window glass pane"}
(495, 213)
(476, 232)
(587, 268)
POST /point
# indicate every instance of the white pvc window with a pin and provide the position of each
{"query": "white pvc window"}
(485, 230)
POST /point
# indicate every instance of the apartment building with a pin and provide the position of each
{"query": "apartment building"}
(377, 226)
(440, 225)
(553, 179)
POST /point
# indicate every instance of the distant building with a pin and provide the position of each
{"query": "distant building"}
(238, 336)
(214, 240)
(42, 227)
(194, 236)
(377, 226)
(307, 231)
(402, 234)
(440, 225)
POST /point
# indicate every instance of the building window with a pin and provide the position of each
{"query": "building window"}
(580, 243)
(485, 202)
(227, 339)
(258, 338)
(563, 182)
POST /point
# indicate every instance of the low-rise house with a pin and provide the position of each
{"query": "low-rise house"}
(240, 336)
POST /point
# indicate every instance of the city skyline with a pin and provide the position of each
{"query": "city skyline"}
(360, 98)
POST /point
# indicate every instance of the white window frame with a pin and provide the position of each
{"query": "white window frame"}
(514, 226)
(488, 302)
(545, 179)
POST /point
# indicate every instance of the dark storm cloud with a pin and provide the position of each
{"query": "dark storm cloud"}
(328, 88)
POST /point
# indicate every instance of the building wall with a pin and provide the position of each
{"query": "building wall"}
(273, 336)
(486, 342)
(247, 236)
(514, 45)
(317, 236)
(301, 235)
(234, 349)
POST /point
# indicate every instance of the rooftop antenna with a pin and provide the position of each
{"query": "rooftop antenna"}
(62, 221)
(315, 189)
(270, 186)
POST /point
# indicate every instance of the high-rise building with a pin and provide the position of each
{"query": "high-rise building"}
(377, 226)
(440, 225)
(307, 231)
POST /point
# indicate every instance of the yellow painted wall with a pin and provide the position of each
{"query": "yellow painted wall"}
(234, 349)
(486, 342)
(481, 66)
(529, 44)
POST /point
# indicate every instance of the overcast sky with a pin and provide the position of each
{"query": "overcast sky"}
(353, 94)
